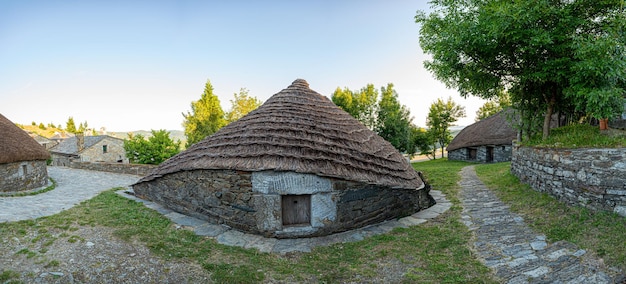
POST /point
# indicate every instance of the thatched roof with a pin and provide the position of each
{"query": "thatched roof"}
(302, 131)
(493, 130)
(16, 145)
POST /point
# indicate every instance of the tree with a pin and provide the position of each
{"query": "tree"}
(156, 149)
(206, 116)
(361, 104)
(241, 105)
(548, 54)
(82, 127)
(394, 120)
(442, 115)
(41, 126)
(493, 106)
(70, 126)
(422, 141)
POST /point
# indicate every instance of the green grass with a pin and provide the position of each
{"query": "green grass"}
(434, 252)
(580, 136)
(600, 232)
(8, 276)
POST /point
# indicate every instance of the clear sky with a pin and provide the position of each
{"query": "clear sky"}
(137, 65)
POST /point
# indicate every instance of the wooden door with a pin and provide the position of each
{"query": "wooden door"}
(296, 210)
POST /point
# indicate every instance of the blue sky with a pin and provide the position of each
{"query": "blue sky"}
(132, 65)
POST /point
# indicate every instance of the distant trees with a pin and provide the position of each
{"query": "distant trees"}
(70, 126)
(361, 104)
(241, 105)
(154, 150)
(551, 56)
(206, 116)
(385, 115)
(442, 115)
(493, 106)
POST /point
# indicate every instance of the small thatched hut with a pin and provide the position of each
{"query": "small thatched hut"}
(488, 140)
(297, 166)
(22, 159)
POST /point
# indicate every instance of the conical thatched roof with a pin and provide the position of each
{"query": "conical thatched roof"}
(302, 131)
(16, 145)
(493, 130)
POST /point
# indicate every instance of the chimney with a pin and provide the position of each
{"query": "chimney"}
(80, 141)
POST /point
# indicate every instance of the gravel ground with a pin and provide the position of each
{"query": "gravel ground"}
(92, 255)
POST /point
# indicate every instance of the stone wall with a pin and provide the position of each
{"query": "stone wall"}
(21, 176)
(218, 196)
(501, 153)
(253, 202)
(363, 204)
(121, 168)
(593, 178)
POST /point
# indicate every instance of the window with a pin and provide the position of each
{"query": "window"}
(24, 170)
(296, 210)
(104, 149)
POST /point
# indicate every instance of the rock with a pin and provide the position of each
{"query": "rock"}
(57, 273)
(90, 244)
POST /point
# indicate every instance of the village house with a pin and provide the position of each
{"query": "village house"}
(22, 159)
(100, 148)
(488, 140)
(298, 166)
(43, 141)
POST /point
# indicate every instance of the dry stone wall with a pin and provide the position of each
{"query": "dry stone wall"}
(593, 178)
(121, 168)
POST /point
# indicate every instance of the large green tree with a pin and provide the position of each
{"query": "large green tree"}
(441, 115)
(241, 105)
(154, 150)
(394, 120)
(549, 54)
(206, 116)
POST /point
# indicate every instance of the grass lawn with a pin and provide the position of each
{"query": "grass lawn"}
(434, 252)
(600, 232)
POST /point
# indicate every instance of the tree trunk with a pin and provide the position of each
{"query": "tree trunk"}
(548, 117)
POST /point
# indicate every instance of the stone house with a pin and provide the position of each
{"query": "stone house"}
(101, 148)
(43, 141)
(488, 140)
(22, 159)
(298, 166)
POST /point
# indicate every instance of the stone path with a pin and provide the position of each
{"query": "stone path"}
(227, 236)
(73, 187)
(517, 254)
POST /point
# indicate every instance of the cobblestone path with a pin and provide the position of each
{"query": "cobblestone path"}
(513, 251)
(73, 187)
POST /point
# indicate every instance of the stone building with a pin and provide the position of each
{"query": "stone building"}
(488, 140)
(298, 166)
(22, 159)
(101, 148)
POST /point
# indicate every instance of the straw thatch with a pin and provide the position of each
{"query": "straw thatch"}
(493, 130)
(302, 131)
(16, 145)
